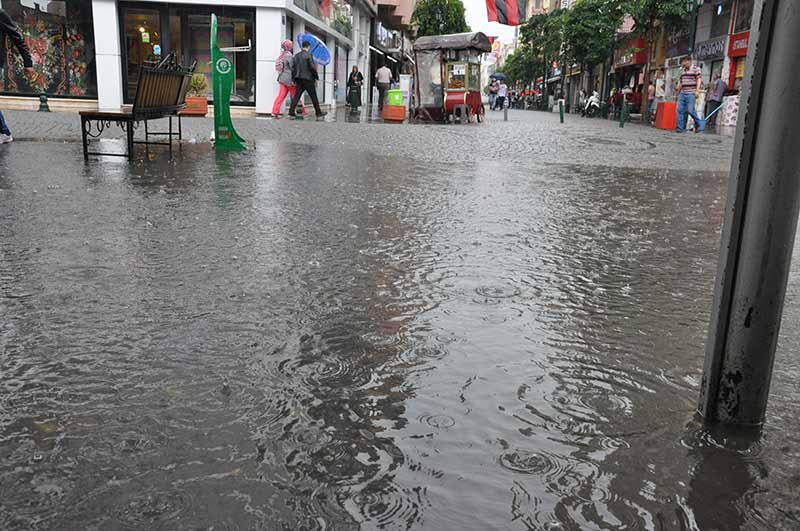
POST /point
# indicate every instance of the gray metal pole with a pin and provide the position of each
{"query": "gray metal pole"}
(760, 225)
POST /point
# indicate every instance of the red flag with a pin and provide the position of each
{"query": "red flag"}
(508, 12)
(325, 8)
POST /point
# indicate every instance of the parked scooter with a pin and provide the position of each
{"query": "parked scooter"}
(592, 107)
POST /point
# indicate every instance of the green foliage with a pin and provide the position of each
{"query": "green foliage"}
(342, 24)
(673, 14)
(198, 86)
(439, 17)
(522, 65)
(543, 34)
(589, 30)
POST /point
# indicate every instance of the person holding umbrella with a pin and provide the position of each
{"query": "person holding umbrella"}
(305, 76)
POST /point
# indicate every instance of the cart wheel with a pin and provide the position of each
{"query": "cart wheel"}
(481, 116)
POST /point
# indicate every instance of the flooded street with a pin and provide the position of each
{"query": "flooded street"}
(322, 338)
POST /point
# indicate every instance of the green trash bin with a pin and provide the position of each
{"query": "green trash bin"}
(395, 97)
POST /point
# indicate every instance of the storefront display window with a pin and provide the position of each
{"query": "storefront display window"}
(153, 30)
(61, 39)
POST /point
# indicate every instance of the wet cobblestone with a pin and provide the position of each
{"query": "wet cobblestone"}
(529, 138)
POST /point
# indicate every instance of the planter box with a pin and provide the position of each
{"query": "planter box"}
(195, 106)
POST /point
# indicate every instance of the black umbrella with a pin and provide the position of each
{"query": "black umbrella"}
(498, 75)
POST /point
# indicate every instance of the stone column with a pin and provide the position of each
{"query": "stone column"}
(330, 95)
(270, 29)
(108, 55)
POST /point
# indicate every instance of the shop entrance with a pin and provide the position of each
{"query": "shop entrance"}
(150, 31)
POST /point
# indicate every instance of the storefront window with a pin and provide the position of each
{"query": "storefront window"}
(61, 39)
(744, 15)
(153, 30)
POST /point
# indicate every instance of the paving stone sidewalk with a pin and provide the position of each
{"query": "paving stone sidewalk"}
(528, 138)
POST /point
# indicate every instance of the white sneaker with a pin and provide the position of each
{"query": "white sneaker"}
(5, 139)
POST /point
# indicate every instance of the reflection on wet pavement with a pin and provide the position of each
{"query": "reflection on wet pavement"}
(312, 338)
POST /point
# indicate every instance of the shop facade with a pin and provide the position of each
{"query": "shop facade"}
(92, 49)
(629, 60)
(60, 35)
(147, 30)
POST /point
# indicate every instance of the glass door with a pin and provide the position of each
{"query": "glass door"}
(142, 31)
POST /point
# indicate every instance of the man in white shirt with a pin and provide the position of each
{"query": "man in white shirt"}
(384, 79)
(501, 95)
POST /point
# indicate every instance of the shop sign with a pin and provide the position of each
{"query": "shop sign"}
(632, 53)
(145, 37)
(678, 43)
(713, 49)
(739, 44)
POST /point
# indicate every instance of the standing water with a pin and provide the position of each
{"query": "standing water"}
(306, 338)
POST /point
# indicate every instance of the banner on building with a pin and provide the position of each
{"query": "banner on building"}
(508, 12)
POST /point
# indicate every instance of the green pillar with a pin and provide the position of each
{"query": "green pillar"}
(223, 75)
(561, 110)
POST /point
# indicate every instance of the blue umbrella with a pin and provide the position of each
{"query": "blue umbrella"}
(320, 52)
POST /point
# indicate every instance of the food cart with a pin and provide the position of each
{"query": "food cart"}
(448, 74)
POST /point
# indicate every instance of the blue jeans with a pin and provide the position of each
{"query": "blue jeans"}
(3, 127)
(686, 106)
(492, 100)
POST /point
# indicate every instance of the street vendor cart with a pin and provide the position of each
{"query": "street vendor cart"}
(448, 74)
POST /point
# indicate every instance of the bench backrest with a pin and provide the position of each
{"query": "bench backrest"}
(160, 91)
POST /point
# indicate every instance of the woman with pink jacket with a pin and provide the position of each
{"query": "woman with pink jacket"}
(283, 65)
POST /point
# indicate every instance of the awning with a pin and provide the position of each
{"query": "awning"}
(455, 41)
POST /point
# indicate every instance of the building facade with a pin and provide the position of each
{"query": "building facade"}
(92, 49)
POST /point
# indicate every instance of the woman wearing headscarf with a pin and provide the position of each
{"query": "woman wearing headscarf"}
(354, 83)
(283, 65)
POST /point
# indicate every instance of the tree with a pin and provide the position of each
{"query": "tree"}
(439, 17)
(589, 30)
(542, 35)
(670, 14)
(521, 65)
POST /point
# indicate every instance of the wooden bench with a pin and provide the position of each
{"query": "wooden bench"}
(160, 93)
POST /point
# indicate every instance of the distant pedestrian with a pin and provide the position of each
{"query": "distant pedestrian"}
(383, 77)
(304, 73)
(716, 93)
(286, 86)
(651, 98)
(354, 82)
(494, 86)
(502, 92)
(9, 29)
(688, 91)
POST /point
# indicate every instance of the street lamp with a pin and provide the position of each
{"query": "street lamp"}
(694, 6)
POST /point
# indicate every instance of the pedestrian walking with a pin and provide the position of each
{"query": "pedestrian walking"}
(494, 86)
(716, 93)
(286, 86)
(384, 79)
(305, 76)
(502, 91)
(354, 82)
(9, 29)
(688, 90)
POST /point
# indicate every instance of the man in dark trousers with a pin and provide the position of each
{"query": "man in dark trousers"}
(10, 30)
(305, 75)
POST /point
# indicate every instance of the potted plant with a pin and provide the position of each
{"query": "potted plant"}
(197, 103)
